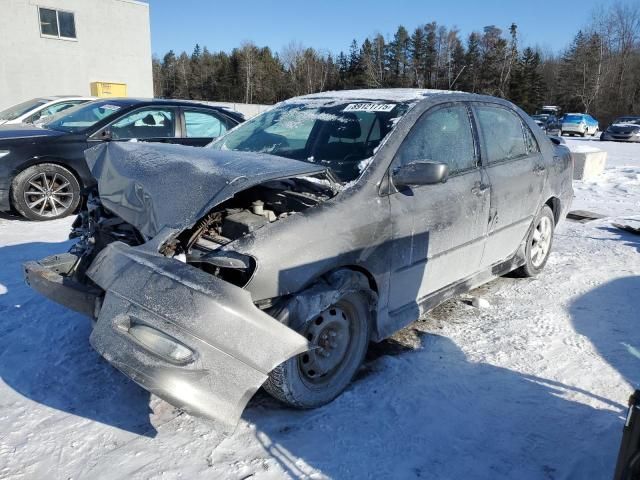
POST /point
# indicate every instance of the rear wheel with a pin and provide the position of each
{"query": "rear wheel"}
(539, 244)
(45, 192)
(338, 337)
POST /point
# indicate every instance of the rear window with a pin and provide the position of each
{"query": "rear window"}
(20, 109)
(573, 118)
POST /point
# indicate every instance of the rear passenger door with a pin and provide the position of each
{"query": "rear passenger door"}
(200, 126)
(517, 174)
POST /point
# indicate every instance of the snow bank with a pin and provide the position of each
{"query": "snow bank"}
(534, 387)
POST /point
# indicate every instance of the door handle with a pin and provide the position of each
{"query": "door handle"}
(539, 169)
(479, 188)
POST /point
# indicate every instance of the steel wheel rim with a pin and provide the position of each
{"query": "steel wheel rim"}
(330, 336)
(48, 194)
(541, 241)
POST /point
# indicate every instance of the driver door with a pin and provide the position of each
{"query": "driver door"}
(439, 230)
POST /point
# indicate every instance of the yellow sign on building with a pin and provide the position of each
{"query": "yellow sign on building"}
(108, 89)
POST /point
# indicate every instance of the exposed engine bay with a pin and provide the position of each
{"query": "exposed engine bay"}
(252, 209)
(241, 215)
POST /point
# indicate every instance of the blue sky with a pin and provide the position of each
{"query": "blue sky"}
(332, 24)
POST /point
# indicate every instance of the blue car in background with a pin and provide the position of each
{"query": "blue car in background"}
(579, 124)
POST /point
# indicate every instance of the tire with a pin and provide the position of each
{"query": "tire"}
(584, 134)
(45, 192)
(543, 224)
(339, 337)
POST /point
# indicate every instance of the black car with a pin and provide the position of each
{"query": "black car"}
(43, 170)
(623, 129)
(549, 123)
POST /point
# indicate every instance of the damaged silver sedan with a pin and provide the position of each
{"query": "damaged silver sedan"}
(274, 256)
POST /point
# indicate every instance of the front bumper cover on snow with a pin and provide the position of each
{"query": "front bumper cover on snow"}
(50, 277)
(235, 345)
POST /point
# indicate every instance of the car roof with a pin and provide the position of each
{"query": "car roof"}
(54, 98)
(388, 94)
(132, 101)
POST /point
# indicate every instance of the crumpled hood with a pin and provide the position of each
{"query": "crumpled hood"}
(152, 186)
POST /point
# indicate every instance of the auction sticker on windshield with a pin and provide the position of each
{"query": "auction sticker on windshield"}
(369, 107)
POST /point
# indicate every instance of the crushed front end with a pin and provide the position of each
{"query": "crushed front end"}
(168, 303)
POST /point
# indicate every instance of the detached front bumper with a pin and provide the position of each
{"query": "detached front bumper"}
(234, 345)
(50, 277)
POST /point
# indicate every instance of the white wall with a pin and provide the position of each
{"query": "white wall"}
(247, 109)
(113, 45)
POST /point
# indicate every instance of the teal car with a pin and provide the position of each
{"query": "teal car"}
(579, 124)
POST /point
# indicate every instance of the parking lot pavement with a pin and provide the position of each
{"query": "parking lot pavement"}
(532, 385)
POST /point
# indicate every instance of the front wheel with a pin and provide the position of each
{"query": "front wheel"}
(538, 246)
(45, 192)
(338, 339)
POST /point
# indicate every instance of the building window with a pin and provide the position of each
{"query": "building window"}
(57, 23)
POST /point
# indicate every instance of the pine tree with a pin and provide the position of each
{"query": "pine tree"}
(470, 79)
(418, 51)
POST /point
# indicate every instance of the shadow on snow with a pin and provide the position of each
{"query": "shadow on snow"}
(46, 357)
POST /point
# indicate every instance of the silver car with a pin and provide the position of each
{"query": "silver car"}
(38, 109)
(274, 256)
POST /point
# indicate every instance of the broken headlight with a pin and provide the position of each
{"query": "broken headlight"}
(230, 266)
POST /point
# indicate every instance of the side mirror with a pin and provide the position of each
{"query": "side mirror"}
(420, 172)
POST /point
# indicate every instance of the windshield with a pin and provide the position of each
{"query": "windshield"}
(83, 116)
(20, 109)
(336, 134)
(635, 120)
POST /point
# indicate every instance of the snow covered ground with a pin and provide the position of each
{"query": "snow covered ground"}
(532, 387)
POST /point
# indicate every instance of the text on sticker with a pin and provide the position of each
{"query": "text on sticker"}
(369, 107)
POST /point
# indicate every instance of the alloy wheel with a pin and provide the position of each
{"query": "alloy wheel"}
(48, 194)
(541, 241)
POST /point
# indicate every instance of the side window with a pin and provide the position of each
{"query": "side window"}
(443, 135)
(530, 140)
(502, 133)
(203, 125)
(146, 123)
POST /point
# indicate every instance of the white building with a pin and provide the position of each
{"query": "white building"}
(61, 47)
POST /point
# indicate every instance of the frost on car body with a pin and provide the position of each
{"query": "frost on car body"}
(278, 252)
